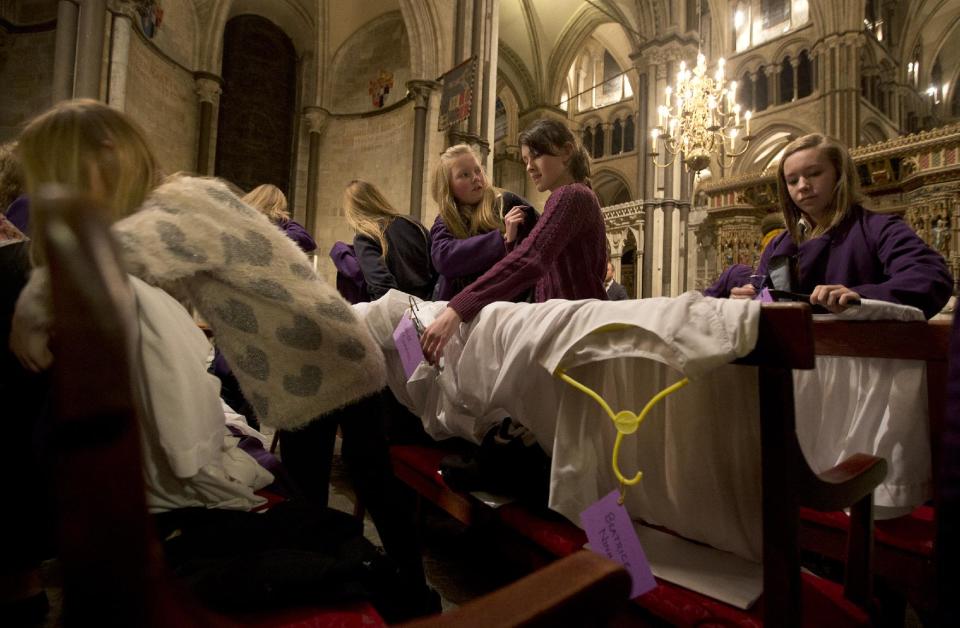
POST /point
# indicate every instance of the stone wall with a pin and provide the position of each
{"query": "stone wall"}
(26, 85)
(373, 148)
(177, 35)
(381, 45)
(161, 98)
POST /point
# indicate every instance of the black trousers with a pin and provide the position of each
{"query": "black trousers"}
(307, 454)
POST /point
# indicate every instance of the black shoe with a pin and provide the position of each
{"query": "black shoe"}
(461, 473)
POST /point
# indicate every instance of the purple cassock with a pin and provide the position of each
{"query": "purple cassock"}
(295, 231)
(876, 255)
(460, 261)
(350, 282)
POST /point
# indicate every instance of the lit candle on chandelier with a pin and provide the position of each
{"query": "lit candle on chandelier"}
(747, 116)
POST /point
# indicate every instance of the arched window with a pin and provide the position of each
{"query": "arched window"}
(628, 135)
(611, 90)
(758, 21)
(786, 81)
(598, 141)
(760, 89)
(616, 142)
(804, 75)
(588, 140)
(745, 92)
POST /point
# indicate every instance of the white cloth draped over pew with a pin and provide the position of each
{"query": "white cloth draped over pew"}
(699, 448)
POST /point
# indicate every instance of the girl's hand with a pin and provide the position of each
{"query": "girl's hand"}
(834, 297)
(512, 222)
(436, 335)
(743, 292)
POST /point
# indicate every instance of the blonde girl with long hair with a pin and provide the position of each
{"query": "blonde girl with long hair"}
(563, 257)
(270, 201)
(393, 250)
(477, 224)
(841, 250)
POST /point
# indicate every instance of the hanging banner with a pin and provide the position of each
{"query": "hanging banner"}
(457, 96)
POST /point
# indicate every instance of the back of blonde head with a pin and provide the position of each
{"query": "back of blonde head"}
(92, 148)
(465, 221)
(368, 211)
(270, 201)
(846, 193)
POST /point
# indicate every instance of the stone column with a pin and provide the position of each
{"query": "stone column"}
(667, 265)
(119, 60)
(649, 210)
(476, 51)
(839, 82)
(93, 15)
(420, 90)
(317, 119)
(207, 89)
(772, 73)
(608, 139)
(683, 260)
(795, 64)
(616, 238)
(65, 51)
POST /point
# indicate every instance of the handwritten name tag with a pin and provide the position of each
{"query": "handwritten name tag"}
(408, 345)
(611, 534)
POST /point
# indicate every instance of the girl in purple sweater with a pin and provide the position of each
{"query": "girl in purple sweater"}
(564, 257)
(478, 224)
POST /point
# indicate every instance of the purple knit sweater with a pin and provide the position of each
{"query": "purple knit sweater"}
(564, 257)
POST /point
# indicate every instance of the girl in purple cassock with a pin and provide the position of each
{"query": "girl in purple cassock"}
(842, 251)
(478, 224)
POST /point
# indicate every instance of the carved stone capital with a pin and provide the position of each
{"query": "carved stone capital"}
(316, 119)
(420, 90)
(616, 239)
(207, 86)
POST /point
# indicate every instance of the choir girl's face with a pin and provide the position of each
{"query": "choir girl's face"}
(548, 172)
(811, 182)
(466, 180)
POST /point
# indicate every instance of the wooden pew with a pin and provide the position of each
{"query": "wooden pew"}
(787, 341)
(905, 547)
(112, 561)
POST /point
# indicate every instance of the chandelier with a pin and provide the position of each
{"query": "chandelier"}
(701, 118)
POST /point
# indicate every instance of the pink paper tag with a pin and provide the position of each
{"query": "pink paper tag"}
(408, 344)
(611, 534)
(764, 296)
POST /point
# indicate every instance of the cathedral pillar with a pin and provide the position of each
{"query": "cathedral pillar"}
(795, 64)
(316, 119)
(682, 237)
(839, 81)
(93, 15)
(65, 51)
(607, 138)
(420, 90)
(646, 282)
(772, 77)
(119, 60)
(207, 88)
